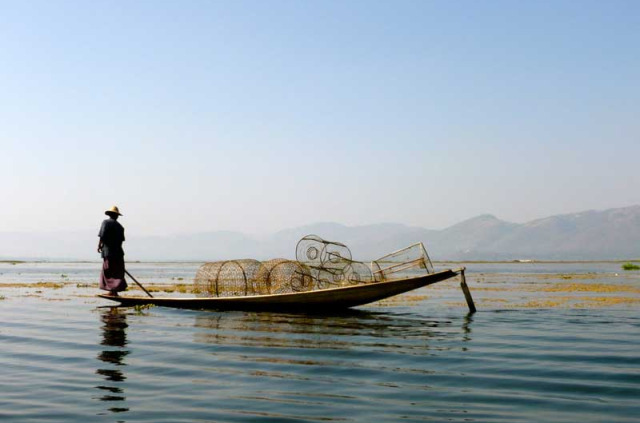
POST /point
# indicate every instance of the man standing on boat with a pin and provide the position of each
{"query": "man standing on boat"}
(110, 247)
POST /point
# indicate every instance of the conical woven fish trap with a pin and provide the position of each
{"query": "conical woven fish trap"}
(228, 278)
(319, 253)
(357, 272)
(281, 276)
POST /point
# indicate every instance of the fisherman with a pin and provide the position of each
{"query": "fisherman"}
(110, 247)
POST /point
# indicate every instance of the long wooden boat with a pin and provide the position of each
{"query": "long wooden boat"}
(324, 299)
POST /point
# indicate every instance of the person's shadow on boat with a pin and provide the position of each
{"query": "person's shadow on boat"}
(114, 337)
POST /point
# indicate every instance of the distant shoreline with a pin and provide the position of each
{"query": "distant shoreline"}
(536, 261)
(521, 261)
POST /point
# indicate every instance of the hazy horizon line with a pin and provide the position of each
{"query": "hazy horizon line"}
(268, 233)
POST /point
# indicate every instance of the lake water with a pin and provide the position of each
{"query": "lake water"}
(550, 342)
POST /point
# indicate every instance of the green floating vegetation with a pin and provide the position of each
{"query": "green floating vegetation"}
(139, 308)
(180, 287)
(630, 266)
(53, 285)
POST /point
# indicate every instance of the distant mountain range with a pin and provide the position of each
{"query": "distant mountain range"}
(590, 235)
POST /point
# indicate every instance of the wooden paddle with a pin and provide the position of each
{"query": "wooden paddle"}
(139, 284)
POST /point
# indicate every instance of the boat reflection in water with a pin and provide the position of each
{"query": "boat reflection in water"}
(113, 335)
(337, 330)
(306, 367)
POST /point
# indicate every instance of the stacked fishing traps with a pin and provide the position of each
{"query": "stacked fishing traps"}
(319, 264)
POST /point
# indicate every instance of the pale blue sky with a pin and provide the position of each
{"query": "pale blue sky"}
(261, 115)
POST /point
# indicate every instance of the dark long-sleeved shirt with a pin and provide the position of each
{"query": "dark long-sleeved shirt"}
(112, 236)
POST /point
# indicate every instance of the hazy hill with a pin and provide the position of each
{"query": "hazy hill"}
(608, 234)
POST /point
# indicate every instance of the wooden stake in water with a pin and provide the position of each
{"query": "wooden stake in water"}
(467, 293)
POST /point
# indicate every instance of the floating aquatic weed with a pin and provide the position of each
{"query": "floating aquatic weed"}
(51, 285)
(139, 308)
(592, 302)
(544, 303)
(589, 287)
(402, 300)
(630, 266)
(181, 288)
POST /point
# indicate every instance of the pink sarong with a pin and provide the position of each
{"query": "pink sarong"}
(112, 275)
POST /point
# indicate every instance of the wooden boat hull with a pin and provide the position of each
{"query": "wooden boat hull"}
(325, 299)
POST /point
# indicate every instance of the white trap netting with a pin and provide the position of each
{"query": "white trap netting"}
(319, 264)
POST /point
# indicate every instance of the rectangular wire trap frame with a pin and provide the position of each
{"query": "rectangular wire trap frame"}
(408, 262)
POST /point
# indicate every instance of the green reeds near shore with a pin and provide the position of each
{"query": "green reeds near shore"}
(630, 266)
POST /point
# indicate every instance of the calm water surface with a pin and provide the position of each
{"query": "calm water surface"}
(66, 357)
